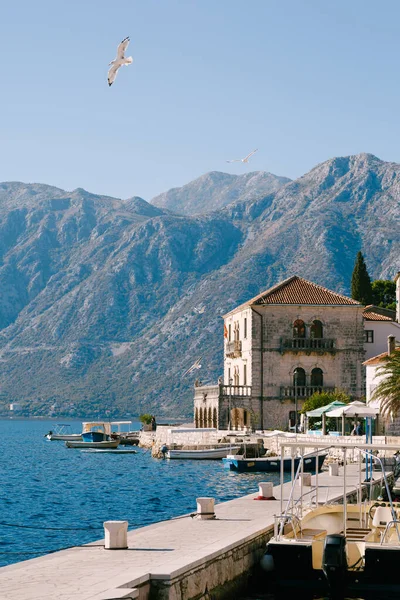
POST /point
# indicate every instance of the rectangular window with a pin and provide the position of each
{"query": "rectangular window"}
(229, 376)
(229, 332)
(369, 336)
(245, 327)
(244, 374)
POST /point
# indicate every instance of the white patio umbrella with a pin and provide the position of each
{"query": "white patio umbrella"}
(353, 409)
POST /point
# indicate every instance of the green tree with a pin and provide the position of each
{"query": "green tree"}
(145, 418)
(361, 288)
(319, 399)
(384, 293)
(388, 389)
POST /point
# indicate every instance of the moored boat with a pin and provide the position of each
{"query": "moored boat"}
(95, 434)
(337, 549)
(202, 454)
(98, 445)
(270, 464)
(62, 431)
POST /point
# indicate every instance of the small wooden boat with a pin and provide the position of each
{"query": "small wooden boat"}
(98, 445)
(62, 431)
(270, 464)
(203, 454)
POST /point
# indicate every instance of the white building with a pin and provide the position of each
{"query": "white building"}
(374, 377)
(379, 323)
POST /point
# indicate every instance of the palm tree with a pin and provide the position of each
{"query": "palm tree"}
(388, 390)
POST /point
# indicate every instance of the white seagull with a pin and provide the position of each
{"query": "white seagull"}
(199, 309)
(245, 159)
(195, 365)
(119, 61)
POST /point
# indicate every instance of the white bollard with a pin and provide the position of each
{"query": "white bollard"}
(306, 477)
(334, 470)
(115, 535)
(205, 508)
(265, 490)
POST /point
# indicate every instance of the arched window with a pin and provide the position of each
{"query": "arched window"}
(299, 377)
(215, 418)
(317, 377)
(201, 418)
(196, 417)
(299, 329)
(316, 330)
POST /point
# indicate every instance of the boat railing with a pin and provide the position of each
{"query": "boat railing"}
(282, 520)
(393, 523)
(389, 495)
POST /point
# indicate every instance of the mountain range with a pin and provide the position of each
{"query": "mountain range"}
(106, 302)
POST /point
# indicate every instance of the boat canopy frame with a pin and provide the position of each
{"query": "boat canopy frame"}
(366, 449)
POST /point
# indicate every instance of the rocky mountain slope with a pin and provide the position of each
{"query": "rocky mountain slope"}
(99, 297)
(215, 190)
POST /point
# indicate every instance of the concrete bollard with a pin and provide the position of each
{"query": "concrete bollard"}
(306, 479)
(334, 470)
(115, 535)
(265, 491)
(205, 508)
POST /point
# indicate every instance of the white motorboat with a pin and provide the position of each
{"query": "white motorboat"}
(100, 444)
(340, 549)
(62, 431)
(203, 454)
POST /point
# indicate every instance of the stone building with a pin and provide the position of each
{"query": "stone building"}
(280, 347)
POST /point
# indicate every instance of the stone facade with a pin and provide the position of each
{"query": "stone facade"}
(278, 350)
(334, 362)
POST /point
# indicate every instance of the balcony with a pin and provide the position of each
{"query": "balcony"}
(233, 349)
(235, 390)
(308, 345)
(302, 391)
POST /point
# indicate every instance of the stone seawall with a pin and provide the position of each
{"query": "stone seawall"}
(191, 438)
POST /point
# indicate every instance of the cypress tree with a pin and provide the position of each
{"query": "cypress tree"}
(361, 288)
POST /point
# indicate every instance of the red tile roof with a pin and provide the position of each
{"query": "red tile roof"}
(297, 290)
(376, 360)
(372, 316)
(375, 313)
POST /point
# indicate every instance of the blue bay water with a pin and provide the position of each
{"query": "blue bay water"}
(46, 485)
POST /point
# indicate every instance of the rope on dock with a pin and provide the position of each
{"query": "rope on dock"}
(51, 528)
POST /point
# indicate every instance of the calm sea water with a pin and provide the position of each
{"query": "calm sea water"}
(45, 485)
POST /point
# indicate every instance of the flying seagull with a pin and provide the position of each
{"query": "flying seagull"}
(119, 61)
(245, 159)
(199, 309)
(195, 365)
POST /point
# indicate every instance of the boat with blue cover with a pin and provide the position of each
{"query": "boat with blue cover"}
(95, 434)
(271, 464)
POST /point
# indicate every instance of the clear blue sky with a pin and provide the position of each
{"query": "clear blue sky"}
(302, 80)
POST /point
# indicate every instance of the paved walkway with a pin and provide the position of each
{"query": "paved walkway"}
(158, 551)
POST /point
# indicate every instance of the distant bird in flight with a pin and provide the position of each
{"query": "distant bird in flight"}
(199, 309)
(245, 159)
(195, 365)
(119, 61)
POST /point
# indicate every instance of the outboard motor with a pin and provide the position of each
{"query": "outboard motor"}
(334, 564)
